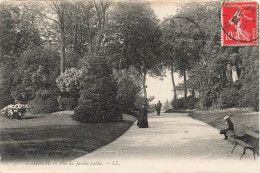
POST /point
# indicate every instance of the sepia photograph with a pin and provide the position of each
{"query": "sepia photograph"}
(134, 86)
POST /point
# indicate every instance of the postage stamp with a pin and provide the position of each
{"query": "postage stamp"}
(239, 23)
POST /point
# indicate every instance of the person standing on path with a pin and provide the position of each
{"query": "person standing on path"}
(158, 108)
(142, 121)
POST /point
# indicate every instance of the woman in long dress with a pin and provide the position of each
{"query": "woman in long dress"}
(142, 121)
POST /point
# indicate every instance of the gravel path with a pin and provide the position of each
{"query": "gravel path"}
(173, 142)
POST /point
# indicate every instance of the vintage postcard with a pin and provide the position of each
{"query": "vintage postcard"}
(135, 86)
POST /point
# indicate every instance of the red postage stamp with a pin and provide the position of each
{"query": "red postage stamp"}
(239, 23)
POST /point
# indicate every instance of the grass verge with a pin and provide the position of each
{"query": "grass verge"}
(55, 137)
(215, 118)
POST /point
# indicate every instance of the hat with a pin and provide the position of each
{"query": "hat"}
(226, 117)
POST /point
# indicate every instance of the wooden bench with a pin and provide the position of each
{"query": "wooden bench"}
(239, 131)
(249, 141)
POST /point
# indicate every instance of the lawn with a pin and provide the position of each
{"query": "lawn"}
(55, 137)
(215, 118)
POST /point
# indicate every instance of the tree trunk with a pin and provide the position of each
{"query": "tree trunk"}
(145, 119)
(224, 78)
(101, 11)
(76, 32)
(144, 86)
(173, 83)
(80, 42)
(185, 84)
(61, 17)
(238, 71)
(62, 59)
(120, 64)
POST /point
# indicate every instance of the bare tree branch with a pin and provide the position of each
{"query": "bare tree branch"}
(44, 15)
(51, 7)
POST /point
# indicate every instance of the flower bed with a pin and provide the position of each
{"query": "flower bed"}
(14, 111)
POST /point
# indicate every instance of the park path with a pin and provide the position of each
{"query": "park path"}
(173, 142)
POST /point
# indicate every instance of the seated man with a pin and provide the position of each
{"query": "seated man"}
(229, 128)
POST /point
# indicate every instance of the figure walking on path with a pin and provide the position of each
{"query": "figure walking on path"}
(142, 121)
(229, 128)
(158, 108)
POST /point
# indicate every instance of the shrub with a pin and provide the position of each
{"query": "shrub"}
(182, 103)
(229, 98)
(70, 83)
(7, 70)
(127, 94)
(249, 93)
(97, 102)
(208, 98)
(67, 103)
(14, 111)
(5, 97)
(178, 104)
(191, 102)
(44, 102)
(71, 80)
(37, 70)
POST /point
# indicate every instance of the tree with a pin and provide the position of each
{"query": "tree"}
(249, 78)
(79, 27)
(58, 16)
(60, 9)
(97, 102)
(133, 40)
(86, 24)
(184, 44)
(198, 65)
(168, 50)
(37, 71)
(16, 31)
(128, 90)
(220, 71)
(101, 8)
(17, 34)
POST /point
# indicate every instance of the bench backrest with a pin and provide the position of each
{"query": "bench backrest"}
(240, 129)
(252, 138)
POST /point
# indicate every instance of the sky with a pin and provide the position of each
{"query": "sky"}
(162, 89)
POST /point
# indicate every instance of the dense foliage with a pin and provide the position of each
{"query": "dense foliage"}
(133, 42)
(221, 77)
(50, 58)
(46, 103)
(17, 33)
(70, 84)
(184, 103)
(97, 102)
(127, 94)
(37, 71)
